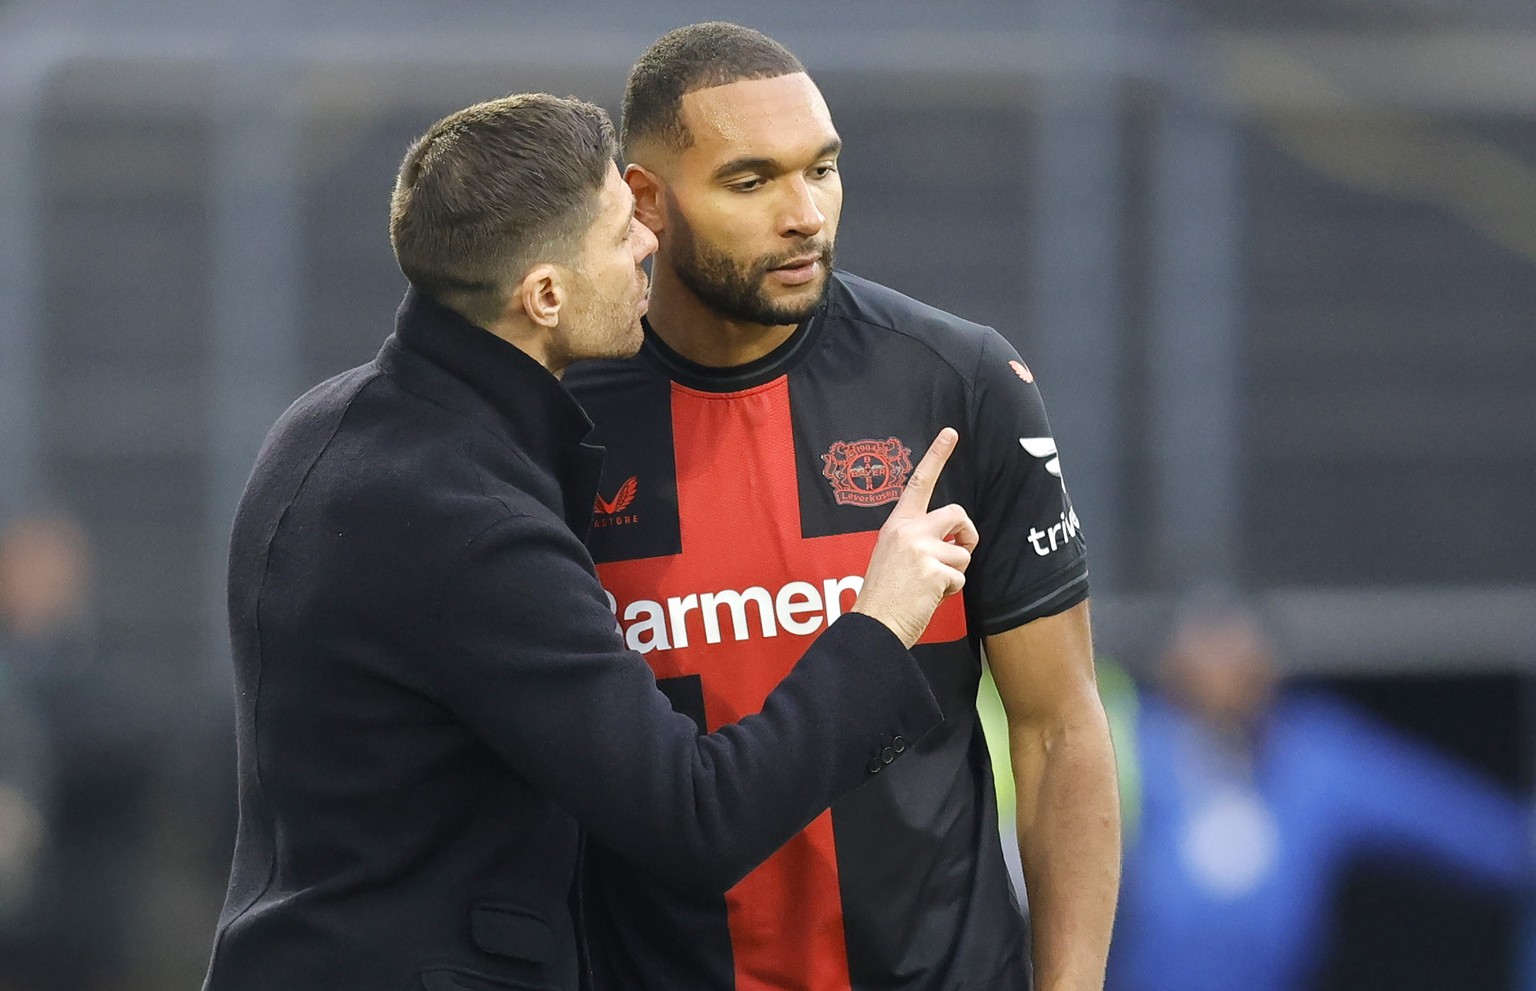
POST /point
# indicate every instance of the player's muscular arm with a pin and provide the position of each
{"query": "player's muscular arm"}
(1068, 807)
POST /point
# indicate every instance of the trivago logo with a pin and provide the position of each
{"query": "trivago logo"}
(1057, 535)
(798, 609)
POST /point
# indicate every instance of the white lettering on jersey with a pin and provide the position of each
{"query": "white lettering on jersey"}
(1056, 536)
(798, 609)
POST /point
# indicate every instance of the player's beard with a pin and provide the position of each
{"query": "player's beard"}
(735, 288)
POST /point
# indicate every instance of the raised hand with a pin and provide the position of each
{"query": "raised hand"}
(921, 555)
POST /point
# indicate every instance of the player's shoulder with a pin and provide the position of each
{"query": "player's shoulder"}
(953, 340)
(592, 380)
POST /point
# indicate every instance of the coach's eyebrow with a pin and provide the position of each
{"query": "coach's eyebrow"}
(770, 166)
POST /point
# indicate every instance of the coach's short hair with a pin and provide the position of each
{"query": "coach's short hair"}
(493, 189)
(699, 56)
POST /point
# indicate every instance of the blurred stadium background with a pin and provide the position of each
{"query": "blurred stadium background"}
(1273, 262)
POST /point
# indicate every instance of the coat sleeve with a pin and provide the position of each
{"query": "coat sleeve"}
(538, 670)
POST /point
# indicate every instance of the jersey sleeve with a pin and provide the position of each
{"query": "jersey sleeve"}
(1031, 561)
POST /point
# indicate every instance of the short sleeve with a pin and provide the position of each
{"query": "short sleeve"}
(1032, 560)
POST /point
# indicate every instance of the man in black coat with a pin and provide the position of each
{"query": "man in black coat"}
(433, 697)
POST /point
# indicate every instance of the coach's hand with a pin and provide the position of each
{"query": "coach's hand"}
(921, 555)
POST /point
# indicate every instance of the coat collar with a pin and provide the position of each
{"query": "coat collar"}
(541, 415)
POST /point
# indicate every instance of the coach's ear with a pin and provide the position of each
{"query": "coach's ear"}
(648, 192)
(542, 295)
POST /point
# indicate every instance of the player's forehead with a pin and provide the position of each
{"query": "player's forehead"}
(769, 118)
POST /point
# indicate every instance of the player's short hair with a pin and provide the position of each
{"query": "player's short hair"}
(493, 189)
(699, 56)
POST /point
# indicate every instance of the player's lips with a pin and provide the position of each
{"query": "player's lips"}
(798, 271)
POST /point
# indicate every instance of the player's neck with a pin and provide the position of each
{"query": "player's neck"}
(690, 327)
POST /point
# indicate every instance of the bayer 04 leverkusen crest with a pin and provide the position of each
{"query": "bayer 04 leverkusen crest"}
(867, 472)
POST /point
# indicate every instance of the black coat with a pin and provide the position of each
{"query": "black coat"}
(433, 698)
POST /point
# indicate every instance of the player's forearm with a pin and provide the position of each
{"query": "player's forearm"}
(1069, 843)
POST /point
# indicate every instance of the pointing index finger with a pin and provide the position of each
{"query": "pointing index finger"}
(919, 491)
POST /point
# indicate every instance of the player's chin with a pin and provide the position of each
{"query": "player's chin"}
(792, 304)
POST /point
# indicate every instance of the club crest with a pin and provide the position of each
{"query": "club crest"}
(867, 472)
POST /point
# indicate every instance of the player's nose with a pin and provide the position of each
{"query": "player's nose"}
(801, 214)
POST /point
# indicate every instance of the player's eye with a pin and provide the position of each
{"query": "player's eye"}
(822, 171)
(747, 185)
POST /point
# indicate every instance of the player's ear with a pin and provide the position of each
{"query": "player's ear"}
(542, 295)
(649, 193)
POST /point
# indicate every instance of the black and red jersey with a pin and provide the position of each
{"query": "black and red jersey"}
(735, 519)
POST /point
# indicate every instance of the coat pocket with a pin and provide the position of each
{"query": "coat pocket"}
(456, 979)
(511, 931)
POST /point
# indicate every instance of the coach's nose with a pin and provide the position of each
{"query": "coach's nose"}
(643, 241)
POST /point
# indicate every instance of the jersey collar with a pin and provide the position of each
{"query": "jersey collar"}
(736, 378)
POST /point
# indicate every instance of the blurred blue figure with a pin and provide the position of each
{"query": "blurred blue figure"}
(1253, 802)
